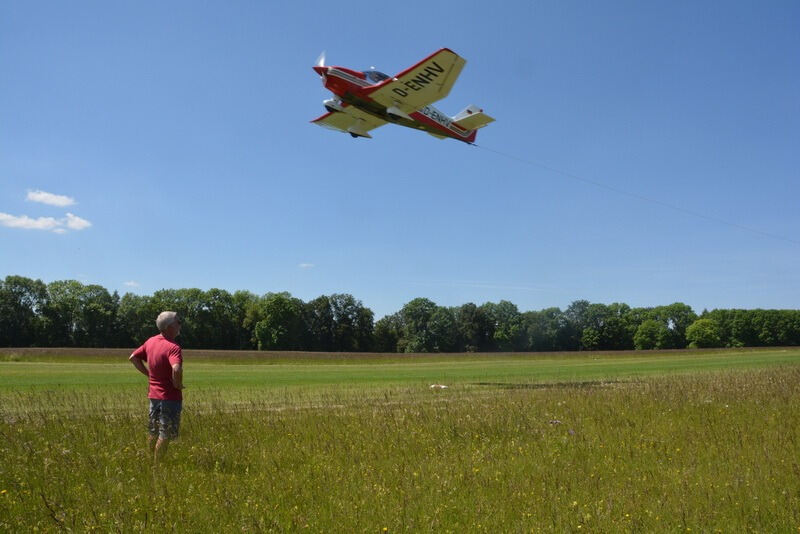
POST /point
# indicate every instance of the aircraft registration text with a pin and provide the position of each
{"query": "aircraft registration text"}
(436, 115)
(420, 79)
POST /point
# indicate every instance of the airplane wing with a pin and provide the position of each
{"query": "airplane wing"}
(426, 82)
(351, 120)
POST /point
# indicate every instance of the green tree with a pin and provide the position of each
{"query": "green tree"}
(542, 329)
(415, 316)
(741, 331)
(95, 317)
(253, 314)
(508, 333)
(352, 323)
(388, 331)
(60, 313)
(617, 332)
(320, 324)
(676, 318)
(136, 317)
(703, 333)
(243, 302)
(282, 327)
(590, 339)
(444, 330)
(365, 328)
(474, 327)
(595, 319)
(214, 319)
(650, 335)
(21, 303)
(576, 319)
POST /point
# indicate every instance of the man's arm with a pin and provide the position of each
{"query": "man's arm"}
(139, 364)
(177, 375)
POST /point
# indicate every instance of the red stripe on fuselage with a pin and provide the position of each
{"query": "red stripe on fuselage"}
(427, 121)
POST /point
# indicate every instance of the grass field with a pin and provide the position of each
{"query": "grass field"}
(618, 442)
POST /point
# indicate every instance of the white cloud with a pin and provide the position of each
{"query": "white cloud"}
(49, 224)
(306, 265)
(131, 283)
(25, 222)
(74, 222)
(50, 199)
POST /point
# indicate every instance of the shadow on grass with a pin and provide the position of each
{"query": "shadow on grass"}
(553, 385)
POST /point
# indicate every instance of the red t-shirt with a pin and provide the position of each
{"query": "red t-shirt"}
(161, 354)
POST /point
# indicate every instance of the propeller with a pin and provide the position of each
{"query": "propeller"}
(320, 68)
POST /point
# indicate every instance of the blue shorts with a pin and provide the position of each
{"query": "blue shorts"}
(165, 418)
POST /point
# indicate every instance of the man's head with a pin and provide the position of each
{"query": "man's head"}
(169, 324)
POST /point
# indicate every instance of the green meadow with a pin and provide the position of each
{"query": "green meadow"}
(703, 441)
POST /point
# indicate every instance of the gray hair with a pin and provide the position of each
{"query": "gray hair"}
(165, 319)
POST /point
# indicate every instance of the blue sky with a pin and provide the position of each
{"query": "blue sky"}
(644, 153)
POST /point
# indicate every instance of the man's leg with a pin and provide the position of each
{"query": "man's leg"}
(153, 426)
(169, 423)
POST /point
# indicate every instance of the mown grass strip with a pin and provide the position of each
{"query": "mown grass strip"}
(453, 369)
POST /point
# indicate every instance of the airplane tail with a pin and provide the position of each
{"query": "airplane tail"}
(472, 118)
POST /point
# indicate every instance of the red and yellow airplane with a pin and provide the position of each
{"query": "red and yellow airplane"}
(364, 100)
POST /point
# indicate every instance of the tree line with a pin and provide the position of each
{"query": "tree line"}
(67, 313)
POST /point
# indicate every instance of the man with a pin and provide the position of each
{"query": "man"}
(164, 369)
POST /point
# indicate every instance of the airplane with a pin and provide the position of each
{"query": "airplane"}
(365, 100)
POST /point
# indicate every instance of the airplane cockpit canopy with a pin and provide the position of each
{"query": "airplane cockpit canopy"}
(375, 76)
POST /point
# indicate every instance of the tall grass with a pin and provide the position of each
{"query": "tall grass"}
(708, 452)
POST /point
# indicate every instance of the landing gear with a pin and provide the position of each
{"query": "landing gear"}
(332, 105)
